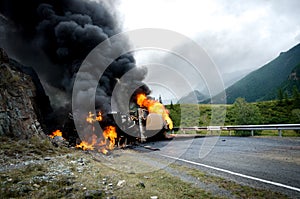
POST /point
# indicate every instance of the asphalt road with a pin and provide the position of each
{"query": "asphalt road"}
(275, 160)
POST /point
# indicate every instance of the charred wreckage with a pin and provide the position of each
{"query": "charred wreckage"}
(147, 120)
(141, 124)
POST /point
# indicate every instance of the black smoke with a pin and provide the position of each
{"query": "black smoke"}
(55, 36)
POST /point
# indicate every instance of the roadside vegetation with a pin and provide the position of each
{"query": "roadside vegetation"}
(285, 110)
(34, 168)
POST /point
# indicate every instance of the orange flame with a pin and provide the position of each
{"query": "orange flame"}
(91, 118)
(106, 142)
(154, 106)
(84, 145)
(110, 134)
(56, 133)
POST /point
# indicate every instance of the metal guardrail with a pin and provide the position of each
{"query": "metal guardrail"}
(251, 128)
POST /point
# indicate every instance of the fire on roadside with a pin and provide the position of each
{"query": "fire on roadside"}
(85, 145)
(110, 135)
(154, 106)
(56, 133)
(104, 142)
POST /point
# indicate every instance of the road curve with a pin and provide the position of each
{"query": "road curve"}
(274, 159)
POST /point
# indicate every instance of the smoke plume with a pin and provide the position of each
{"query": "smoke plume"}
(55, 36)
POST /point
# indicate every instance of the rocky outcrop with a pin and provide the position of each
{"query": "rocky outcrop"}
(23, 102)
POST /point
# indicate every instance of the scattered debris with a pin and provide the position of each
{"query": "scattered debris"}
(151, 148)
(90, 194)
(141, 185)
(121, 183)
(36, 185)
(47, 158)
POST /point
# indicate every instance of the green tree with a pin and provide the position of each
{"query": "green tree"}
(175, 114)
(159, 99)
(280, 95)
(296, 118)
(295, 92)
(286, 96)
(245, 113)
(171, 105)
(296, 97)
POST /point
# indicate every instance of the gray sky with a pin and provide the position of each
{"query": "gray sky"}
(236, 34)
(239, 36)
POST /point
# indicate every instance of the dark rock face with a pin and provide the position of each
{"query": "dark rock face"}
(23, 103)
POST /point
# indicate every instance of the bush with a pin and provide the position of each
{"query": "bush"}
(246, 133)
(297, 131)
(242, 133)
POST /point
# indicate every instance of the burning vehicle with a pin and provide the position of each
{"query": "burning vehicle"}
(148, 120)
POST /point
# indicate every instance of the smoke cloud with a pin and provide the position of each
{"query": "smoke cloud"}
(55, 36)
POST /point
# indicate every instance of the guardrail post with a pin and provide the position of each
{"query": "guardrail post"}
(279, 132)
(252, 132)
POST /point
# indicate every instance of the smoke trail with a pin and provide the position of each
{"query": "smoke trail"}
(54, 36)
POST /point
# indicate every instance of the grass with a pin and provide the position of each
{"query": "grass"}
(160, 184)
(28, 182)
(63, 177)
(35, 146)
(285, 133)
(238, 190)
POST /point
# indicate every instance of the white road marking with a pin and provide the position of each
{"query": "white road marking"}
(235, 173)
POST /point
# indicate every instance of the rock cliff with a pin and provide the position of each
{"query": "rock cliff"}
(23, 102)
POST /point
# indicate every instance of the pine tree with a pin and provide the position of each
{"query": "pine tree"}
(171, 105)
(280, 95)
(159, 99)
(296, 97)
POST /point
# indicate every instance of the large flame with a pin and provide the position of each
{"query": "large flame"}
(85, 145)
(110, 135)
(56, 133)
(103, 143)
(154, 106)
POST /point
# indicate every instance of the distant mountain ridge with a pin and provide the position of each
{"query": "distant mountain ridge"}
(192, 97)
(264, 83)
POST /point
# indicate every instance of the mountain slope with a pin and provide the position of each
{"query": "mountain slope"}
(192, 97)
(287, 86)
(257, 85)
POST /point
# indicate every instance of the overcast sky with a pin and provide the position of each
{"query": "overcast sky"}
(237, 35)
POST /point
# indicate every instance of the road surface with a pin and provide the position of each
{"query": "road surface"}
(272, 163)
